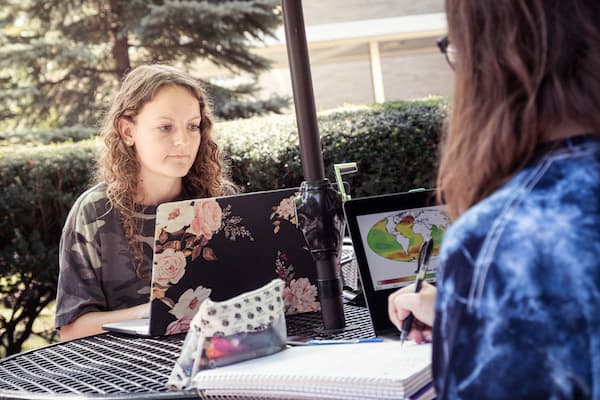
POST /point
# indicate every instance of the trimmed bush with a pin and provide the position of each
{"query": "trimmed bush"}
(45, 136)
(38, 187)
(395, 147)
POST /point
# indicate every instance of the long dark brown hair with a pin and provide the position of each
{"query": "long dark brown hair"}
(118, 165)
(522, 67)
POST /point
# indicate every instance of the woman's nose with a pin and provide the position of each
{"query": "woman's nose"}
(180, 138)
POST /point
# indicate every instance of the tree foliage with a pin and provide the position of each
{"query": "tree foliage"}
(59, 59)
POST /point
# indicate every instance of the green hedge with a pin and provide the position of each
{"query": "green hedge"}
(45, 136)
(39, 186)
(395, 146)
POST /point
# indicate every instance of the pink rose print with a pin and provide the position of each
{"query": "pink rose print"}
(300, 296)
(179, 326)
(170, 267)
(177, 217)
(286, 208)
(189, 302)
(207, 218)
(285, 211)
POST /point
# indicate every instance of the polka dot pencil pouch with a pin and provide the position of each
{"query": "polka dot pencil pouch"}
(221, 333)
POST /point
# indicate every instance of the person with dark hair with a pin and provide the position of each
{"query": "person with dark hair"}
(158, 147)
(516, 311)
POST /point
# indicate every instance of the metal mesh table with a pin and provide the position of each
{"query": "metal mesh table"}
(117, 366)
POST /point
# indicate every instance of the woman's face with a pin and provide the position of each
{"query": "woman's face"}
(166, 134)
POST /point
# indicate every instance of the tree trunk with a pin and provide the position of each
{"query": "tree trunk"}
(119, 38)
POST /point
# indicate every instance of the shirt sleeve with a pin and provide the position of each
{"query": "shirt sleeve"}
(79, 289)
(496, 344)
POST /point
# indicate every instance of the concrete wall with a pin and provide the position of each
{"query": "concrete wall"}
(416, 73)
(404, 78)
(318, 12)
(413, 69)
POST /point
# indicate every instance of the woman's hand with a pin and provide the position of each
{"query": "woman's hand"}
(422, 305)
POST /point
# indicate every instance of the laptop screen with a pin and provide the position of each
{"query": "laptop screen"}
(387, 232)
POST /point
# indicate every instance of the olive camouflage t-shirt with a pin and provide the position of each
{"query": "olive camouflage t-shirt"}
(96, 268)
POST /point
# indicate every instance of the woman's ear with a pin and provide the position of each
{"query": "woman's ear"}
(125, 126)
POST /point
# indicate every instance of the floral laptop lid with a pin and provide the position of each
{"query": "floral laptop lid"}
(222, 247)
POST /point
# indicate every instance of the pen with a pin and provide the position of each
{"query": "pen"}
(422, 264)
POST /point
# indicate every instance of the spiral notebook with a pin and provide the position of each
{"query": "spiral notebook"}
(386, 370)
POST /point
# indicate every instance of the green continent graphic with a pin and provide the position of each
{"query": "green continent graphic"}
(380, 241)
(399, 237)
(385, 244)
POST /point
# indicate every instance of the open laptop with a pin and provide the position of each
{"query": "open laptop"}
(387, 232)
(221, 247)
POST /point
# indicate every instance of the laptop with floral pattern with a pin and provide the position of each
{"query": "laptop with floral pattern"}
(222, 247)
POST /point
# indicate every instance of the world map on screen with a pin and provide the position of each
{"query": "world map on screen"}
(399, 236)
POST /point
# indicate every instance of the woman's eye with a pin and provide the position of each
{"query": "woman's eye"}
(194, 127)
(165, 128)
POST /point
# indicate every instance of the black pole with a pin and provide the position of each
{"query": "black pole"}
(319, 207)
(304, 98)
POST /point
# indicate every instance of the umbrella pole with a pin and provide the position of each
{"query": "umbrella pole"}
(319, 206)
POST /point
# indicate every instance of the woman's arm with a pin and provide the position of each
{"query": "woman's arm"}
(91, 323)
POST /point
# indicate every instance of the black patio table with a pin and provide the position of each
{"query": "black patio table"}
(118, 366)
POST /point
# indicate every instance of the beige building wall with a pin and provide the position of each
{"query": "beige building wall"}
(404, 78)
(409, 71)
(318, 12)
(417, 76)
(411, 68)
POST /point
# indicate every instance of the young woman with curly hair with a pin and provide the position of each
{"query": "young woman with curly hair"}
(516, 312)
(157, 148)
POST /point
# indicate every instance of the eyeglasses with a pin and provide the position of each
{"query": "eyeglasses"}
(447, 49)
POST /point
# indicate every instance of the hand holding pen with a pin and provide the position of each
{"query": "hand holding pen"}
(412, 302)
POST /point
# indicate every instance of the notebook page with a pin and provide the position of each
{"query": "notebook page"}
(376, 370)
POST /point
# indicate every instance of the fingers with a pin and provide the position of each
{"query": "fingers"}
(405, 301)
(420, 333)
(419, 337)
(400, 305)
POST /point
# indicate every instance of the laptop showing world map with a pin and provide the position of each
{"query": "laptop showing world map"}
(387, 232)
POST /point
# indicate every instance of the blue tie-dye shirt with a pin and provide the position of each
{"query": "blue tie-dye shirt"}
(518, 306)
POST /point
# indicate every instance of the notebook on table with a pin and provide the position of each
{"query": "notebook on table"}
(387, 232)
(221, 247)
(387, 370)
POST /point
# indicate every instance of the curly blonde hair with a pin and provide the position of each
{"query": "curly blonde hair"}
(118, 165)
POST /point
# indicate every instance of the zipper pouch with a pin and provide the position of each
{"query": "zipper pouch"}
(222, 333)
